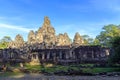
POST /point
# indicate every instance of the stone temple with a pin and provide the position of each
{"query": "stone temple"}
(44, 45)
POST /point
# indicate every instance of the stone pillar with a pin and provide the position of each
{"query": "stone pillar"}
(37, 56)
(48, 55)
(43, 56)
(71, 54)
(92, 54)
(60, 55)
(32, 57)
(54, 57)
(67, 54)
(107, 52)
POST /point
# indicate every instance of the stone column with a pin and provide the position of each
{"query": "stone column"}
(43, 56)
(71, 54)
(32, 57)
(48, 55)
(37, 56)
(67, 54)
(60, 55)
(92, 54)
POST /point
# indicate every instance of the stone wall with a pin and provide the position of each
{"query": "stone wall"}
(56, 54)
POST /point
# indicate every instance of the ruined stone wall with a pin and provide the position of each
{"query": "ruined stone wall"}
(58, 54)
(80, 54)
(91, 53)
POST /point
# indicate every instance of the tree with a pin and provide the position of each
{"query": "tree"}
(96, 42)
(109, 32)
(87, 40)
(115, 56)
(5, 41)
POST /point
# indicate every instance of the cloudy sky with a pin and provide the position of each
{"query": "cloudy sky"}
(71, 16)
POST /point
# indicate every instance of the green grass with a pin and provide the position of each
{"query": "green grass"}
(73, 67)
(87, 65)
(99, 70)
(54, 68)
(48, 69)
(63, 68)
(36, 67)
(5, 74)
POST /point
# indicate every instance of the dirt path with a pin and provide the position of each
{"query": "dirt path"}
(54, 77)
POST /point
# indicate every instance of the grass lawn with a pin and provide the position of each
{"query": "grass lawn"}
(99, 70)
(4, 74)
(73, 67)
(55, 68)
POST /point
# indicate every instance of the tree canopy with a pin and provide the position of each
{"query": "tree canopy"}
(108, 33)
(115, 56)
(4, 42)
(87, 39)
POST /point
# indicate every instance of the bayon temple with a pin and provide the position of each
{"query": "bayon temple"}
(44, 45)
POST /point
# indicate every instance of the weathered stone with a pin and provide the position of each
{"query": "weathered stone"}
(67, 39)
(39, 37)
(77, 40)
(60, 40)
(48, 32)
(31, 37)
(46, 22)
(63, 40)
(18, 42)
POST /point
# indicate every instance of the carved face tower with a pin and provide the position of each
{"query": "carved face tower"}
(46, 21)
(46, 33)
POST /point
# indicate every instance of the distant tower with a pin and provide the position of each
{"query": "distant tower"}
(17, 43)
(31, 37)
(77, 40)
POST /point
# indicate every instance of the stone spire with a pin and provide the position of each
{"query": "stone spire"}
(19, 39)
(39, 37)
(63, 40)
(47, 32)
(77, 40)
(31, 37)
(67, 39)
(18, 42)
(60, 40)
(46, 22)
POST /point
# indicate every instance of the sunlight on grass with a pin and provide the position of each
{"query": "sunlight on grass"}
(4, 74)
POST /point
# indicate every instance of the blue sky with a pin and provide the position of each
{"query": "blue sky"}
(71, 16)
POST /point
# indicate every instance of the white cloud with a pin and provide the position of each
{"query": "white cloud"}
(14, 27)
(2, 18)
(84, 29)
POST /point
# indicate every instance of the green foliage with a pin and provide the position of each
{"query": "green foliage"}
(88, 68)
(87, 40)
(99, 70)
(5, 74)
(115, 56)
(4, 42)
(96, 42)
(109, 32)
